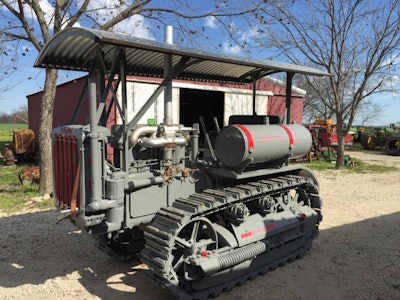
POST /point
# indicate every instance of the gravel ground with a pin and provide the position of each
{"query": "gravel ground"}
(356, 256)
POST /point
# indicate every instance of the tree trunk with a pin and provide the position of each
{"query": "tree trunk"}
(45, 128)
(340, 153)
(340, 147)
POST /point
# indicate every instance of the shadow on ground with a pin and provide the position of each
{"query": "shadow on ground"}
(358, 260)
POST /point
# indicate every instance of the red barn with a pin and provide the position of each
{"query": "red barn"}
(190, 100)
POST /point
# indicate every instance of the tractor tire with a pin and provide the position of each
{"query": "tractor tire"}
(392, 145)
(368, 140)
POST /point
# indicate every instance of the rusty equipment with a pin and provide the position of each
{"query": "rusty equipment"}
(29, 175)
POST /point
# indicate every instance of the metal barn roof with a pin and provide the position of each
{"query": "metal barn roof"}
(77, 48)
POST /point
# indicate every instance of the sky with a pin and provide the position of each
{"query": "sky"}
(28, 80)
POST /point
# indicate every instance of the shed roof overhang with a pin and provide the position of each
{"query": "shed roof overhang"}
(78, 48)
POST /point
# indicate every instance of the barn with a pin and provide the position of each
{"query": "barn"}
(190, 100)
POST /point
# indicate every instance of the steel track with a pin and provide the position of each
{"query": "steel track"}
(161, 232)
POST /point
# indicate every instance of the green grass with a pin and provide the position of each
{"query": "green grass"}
(358, 147)
(359, 167)
(5, 129)
(16, 197)
(321, 165)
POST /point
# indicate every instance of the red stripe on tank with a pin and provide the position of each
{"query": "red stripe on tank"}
(289, 133)
(248, 136)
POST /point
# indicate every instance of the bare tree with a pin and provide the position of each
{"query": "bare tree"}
(370, 112)
(357, 41)
(313, 105)
(8, 62)
(37, 21)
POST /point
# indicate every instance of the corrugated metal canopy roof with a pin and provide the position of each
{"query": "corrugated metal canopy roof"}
(76, 48)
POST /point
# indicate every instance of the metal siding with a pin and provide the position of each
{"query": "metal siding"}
(261, 104)
(235, 103)
(242, 104)
(138, 93)
(175, 104)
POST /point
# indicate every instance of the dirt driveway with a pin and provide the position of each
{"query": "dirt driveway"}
(356, 256)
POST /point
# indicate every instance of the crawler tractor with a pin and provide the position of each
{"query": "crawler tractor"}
(202, 223)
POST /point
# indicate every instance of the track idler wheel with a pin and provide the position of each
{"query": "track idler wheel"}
(196, 238)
